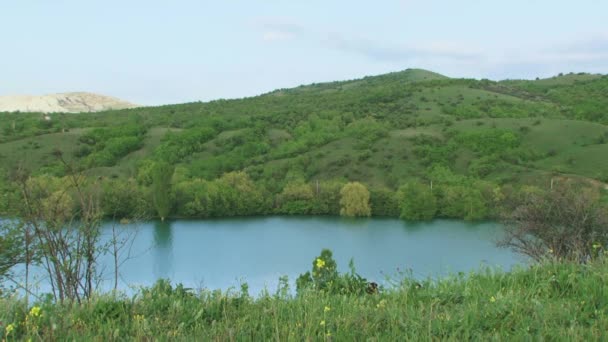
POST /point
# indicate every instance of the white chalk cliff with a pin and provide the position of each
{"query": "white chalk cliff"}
(62, 103)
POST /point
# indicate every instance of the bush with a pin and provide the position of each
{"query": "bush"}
(568, 222)
(325, 277)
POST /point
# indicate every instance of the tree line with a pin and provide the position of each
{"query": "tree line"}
(164, 191)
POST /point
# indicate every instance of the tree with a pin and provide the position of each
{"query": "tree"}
(354, 200)
(568, 222)
(384, 202)
(463, 202)
(326, 199)
(196, 198)
(12, 251)
(296, 198)
(58, 229)
(244, 197)
(417, 202)
(162, 174)
(123, 199)
(60, 221)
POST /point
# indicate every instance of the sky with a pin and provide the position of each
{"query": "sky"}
(159, 52)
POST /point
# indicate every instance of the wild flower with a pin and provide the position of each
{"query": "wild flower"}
(35, 311)
(9, 328)
(326, 309)
(492, 299)
(320, 263)
(322, 323)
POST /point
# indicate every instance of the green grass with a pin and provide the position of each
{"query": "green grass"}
(35, 152)
(552, 301)
(567, 79)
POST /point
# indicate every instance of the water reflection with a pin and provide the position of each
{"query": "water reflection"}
(224, 252)
(163, 249)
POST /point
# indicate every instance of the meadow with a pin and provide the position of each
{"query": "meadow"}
(549, 301)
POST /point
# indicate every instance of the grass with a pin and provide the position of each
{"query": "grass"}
(35, 152)
(551, 301)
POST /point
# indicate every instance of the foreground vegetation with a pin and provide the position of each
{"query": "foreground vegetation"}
(460, 146)
(549, 301)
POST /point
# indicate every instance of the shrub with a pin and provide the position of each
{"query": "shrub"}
(325, 277)
(566, 223)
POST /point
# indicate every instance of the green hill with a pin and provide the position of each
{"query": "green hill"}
(380, 130)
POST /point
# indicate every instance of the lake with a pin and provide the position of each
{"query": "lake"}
(223, 253)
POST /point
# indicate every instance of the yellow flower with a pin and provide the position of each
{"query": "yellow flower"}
(322, 323)
(35, 311)
(10, 328)
(381, 305)
(492, 299)
(320, 263)
(326, 309)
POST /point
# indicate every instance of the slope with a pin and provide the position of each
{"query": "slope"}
(381, 130)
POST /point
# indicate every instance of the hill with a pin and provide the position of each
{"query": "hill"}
(383, 131)
(62, 103)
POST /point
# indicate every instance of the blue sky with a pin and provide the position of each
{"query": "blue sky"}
(158, 52)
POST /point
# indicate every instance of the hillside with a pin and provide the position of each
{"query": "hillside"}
(383, 131)
(62, 103)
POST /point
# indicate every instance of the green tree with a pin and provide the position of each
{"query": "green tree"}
(384, 202)
(296, 198)
(417, 202)
(162, 173)
(244, 197)
(354, 200)
(144, 172)
(464, 203)
(326, 197)
(196, 198)
(123, 199)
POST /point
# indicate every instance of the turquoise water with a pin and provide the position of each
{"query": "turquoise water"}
(221, 254)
